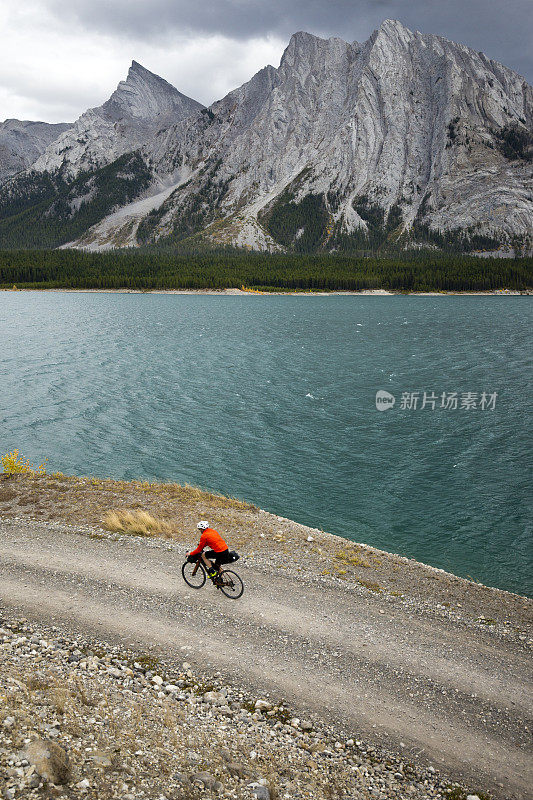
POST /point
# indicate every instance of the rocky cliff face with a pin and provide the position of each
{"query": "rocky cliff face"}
(407, 139)
(137, 109)
(22, 142)
(358, 141)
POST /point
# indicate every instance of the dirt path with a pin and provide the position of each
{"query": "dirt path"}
(433, 689)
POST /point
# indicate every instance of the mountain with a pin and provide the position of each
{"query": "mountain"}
(352, 144)
(405, 140)
(22, 142)
(137, 109)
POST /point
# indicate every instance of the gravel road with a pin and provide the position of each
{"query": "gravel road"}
(436, 690)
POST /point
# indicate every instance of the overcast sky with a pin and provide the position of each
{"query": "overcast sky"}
(60, 57)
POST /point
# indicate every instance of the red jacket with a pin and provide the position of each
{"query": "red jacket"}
(210, 538)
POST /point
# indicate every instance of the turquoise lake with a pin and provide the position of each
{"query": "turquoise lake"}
(273, 399)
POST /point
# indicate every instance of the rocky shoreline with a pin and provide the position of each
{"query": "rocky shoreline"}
(333, 293)
(83, 719)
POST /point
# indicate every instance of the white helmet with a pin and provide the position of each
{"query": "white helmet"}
(202, 525)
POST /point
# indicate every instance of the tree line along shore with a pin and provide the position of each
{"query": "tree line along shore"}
(148, 270)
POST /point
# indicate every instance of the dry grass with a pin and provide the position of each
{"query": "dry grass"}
(86, 500)
(137, 523)
(372, 585)
(37, 683)
(351, 559)
(60, 698)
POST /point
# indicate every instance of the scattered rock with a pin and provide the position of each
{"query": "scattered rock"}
(261, 792)
(50, 760)
(33, 781)
(102, 759)
(263, 705)
(239, 770)
(204, 779)
(126, 738)
(116, 673)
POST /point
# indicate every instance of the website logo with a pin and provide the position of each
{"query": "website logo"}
(384, 400)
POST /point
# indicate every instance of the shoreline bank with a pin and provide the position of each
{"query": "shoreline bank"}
(333, 293)
(86, 501)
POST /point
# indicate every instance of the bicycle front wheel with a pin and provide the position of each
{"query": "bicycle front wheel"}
(230, 584)
(193, 574)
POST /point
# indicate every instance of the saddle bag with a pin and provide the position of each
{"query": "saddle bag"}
(234, 556)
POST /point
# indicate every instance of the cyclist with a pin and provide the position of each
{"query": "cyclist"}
(219, 552)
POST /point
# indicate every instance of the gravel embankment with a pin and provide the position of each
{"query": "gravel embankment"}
(421, 668)
(414, 681)
(82, 720)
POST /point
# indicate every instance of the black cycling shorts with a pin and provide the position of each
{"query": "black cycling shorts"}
(219, 558)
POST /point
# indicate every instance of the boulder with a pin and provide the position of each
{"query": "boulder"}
(50, 760)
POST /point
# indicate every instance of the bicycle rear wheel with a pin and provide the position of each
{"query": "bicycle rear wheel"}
(193, 574)
(230, 584)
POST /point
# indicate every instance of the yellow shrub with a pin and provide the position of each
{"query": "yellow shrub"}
(14, 464)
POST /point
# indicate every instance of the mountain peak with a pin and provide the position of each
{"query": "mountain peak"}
(137, 70)
(23, 141)
(302, 37)
(392, 30)
(139, 107)
(393, 24)
(305, 47)
(145, 95)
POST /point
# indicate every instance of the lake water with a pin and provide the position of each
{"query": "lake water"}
(273, 399)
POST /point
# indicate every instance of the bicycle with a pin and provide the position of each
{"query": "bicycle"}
(229, 583)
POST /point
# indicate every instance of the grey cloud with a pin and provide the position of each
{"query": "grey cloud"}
(503, 31)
